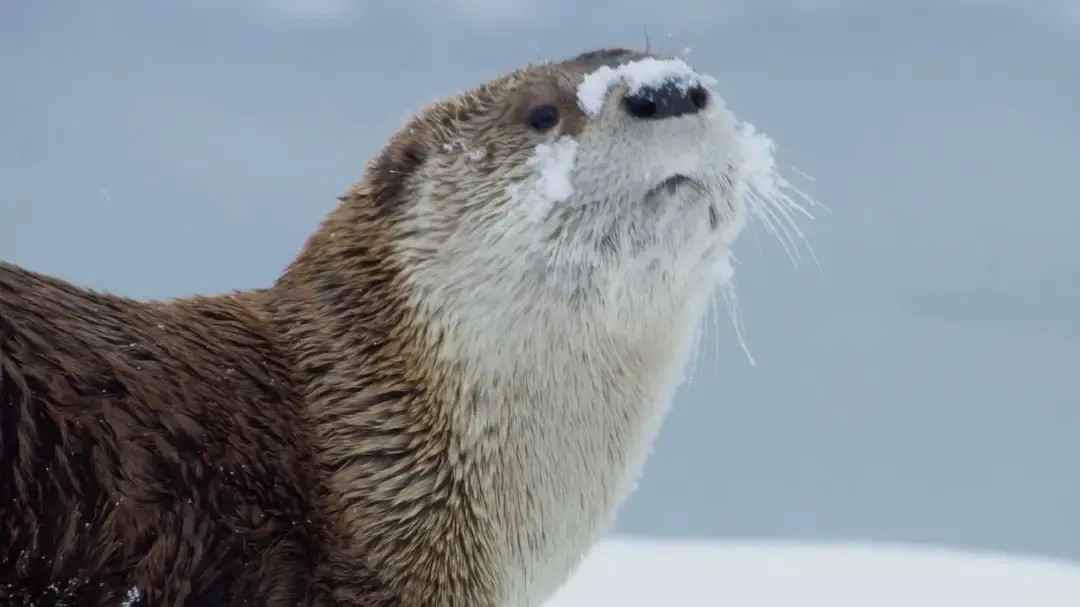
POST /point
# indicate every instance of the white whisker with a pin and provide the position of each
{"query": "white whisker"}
(785, 212)
(716, 329)
(732, 300)
(778, 230)
(757, 234)
(695, 351)
(802, 174)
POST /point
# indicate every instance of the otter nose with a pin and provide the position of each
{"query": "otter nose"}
(666, 101)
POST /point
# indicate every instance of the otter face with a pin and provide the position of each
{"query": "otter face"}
(607, 180)
(652, 207)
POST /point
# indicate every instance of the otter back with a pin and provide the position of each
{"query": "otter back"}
(150, 450)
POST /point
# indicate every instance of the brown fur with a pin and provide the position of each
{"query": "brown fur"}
(286, 446)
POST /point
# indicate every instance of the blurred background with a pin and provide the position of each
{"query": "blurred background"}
(922, 386)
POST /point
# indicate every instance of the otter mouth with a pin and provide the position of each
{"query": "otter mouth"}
(673, 184)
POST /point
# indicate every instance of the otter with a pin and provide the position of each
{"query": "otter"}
(442, 400)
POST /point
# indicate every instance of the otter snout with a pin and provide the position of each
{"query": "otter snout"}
(667, 100)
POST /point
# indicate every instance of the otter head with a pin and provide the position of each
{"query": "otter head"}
(594, 193)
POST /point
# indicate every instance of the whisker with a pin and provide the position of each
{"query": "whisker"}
(732, 299)
(792, 226)
(785, 203)
(715, 305)
(773, 225)
(695, 352)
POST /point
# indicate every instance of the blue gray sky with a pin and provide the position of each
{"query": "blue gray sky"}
(923, 386)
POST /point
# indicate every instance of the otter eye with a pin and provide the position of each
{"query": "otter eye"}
(544, 118)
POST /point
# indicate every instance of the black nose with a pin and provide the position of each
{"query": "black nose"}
(667, 101)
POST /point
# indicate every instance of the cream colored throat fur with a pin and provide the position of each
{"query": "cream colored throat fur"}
(561, 434)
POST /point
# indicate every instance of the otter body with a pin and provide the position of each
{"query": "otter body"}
(441, 402)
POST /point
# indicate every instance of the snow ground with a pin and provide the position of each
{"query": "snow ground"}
(628, 572)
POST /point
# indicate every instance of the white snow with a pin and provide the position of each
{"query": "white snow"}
(758, 167)
(459, 146)
(476, 155)
(554, 164)
(769, 196)
(133, 595)
(635, 75)
(687, 573)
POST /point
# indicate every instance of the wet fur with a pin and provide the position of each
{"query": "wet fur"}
(158, 446)
(376, 428)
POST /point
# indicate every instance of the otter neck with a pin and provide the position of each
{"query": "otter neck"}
(462, 463)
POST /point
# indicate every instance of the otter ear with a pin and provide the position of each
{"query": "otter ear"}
(390, 171)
